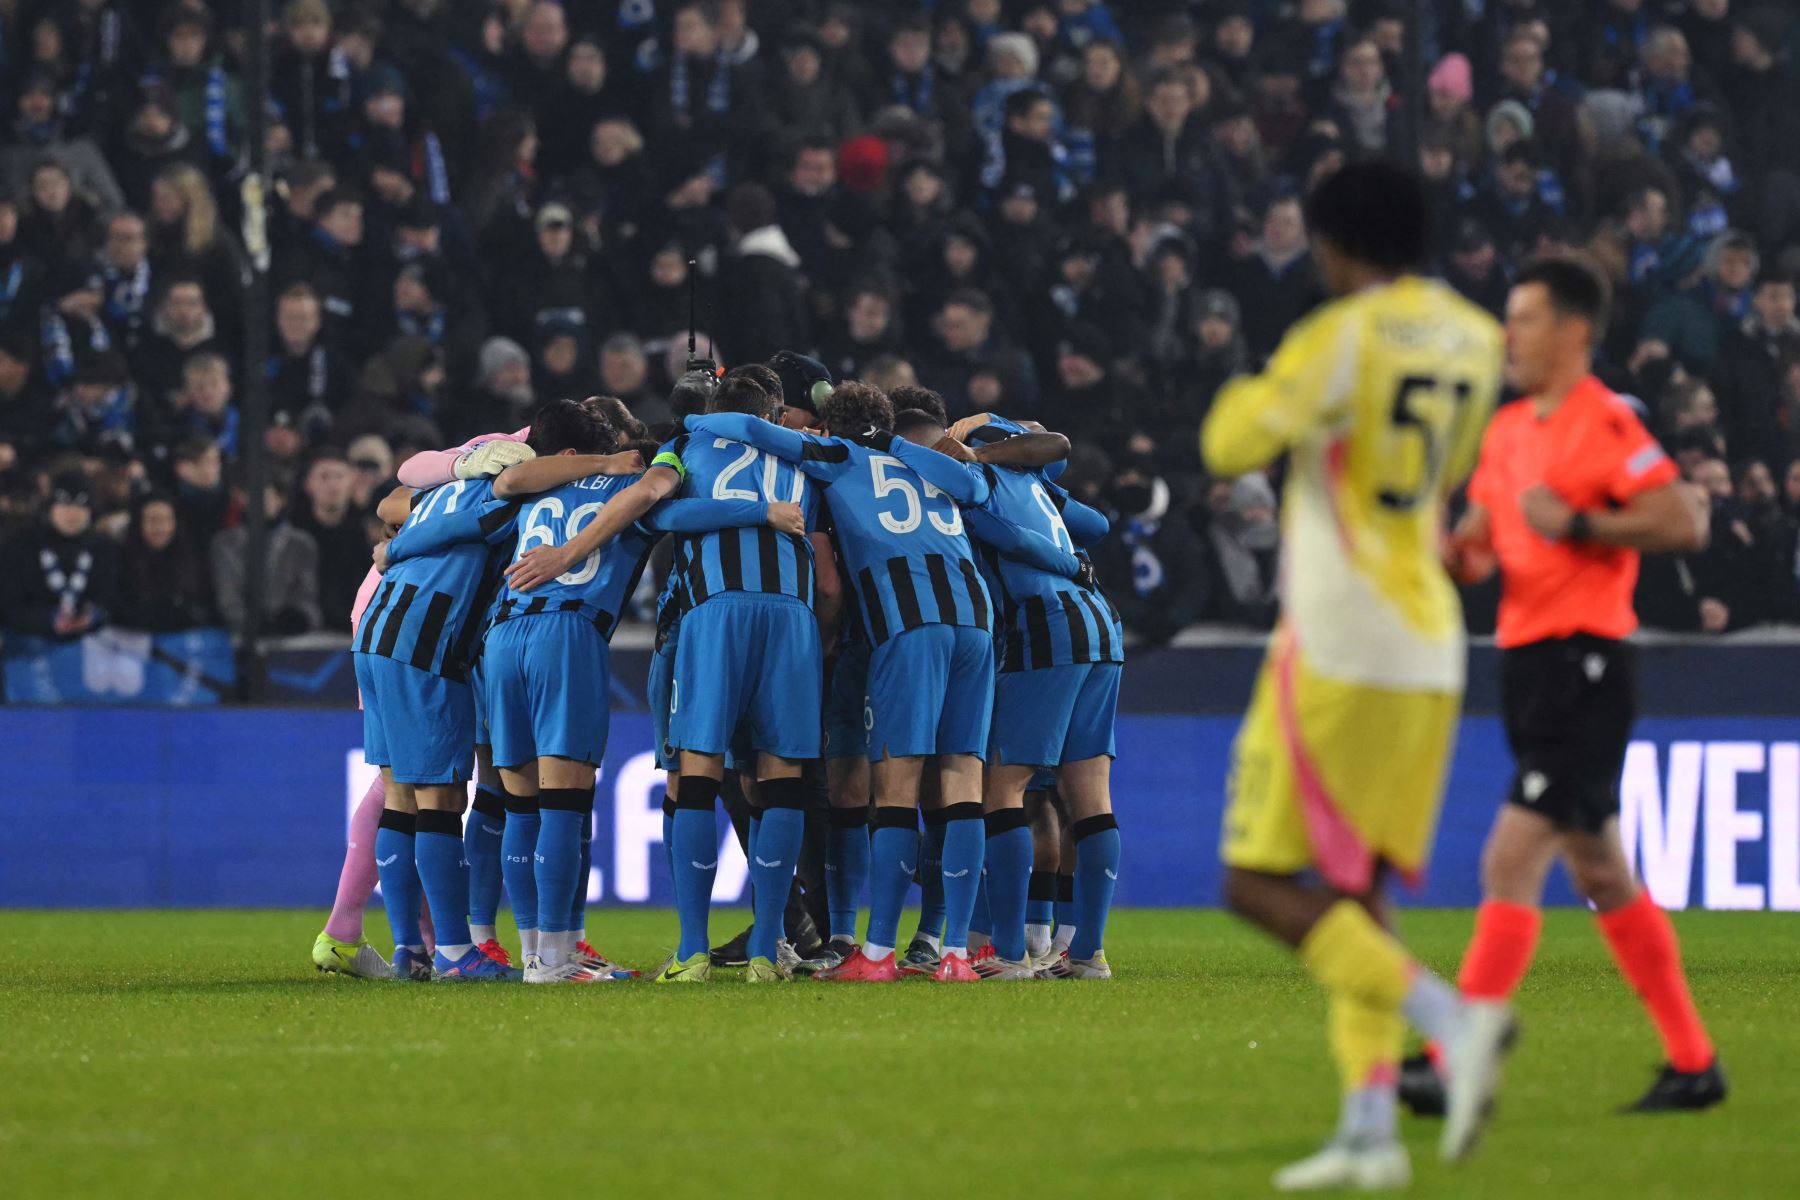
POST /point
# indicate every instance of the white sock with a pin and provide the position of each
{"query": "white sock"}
(875, 953)
(482, 934)
(961, 952)
(1370, 1116)
(577, 936)
(553, 948)
(930, 939)
(1432, 1007)
(454, 953)
(418, 949)
(1064, 935)
(528, 942)
(1037, 940)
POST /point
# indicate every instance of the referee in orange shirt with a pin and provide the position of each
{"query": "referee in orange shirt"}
(1569, 490)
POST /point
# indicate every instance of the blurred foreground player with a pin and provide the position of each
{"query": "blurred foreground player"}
(1570, 489)
(1378, 398)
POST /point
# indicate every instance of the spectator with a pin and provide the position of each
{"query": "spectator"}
(502, 395)
(153, 142)
(98, 408)
(310, 89)
(57, 224)
(625, 375)
(1242, 533)
(1474, 267)
(39, 132)
(21, 273)
(182, 327)
(568, 114)
(804, 97)
(533, 68)
(201, 500)
(765, 303)
(207, 99)
(165, 586)
(290, 572)
(976, 368)
(1277, 282)
(1750, 364)
(126, 278)
(555, 275)
(1450, 92)
(372, 460)
(1153, 567)
(60, 577)
(1774, 533)
(331, 262)
(1362, 102)
(188, 238)
(325, 511)
(869, 330)
(27, 412)
(307, 379)
(1169, 143)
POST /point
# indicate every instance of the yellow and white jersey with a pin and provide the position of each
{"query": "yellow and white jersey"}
(1380, 398)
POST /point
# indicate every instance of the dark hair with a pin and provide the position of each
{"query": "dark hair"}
(855, 407)
(333, 198)
(910, 419)
(1374, 212)
(745, 390)
(691, 393)
(1575, 286)
(560, 425)
(1023, 101)
(972, 298)
(749, 206)
(921, 399)
(613, 409)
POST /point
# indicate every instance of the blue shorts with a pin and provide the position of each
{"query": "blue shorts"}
(419, 725)
(1045, 779)
(1054, 715)
(748, 664)
(547, 681)
(931, 691)
(478, 690)
(847, 702)
(656, 695)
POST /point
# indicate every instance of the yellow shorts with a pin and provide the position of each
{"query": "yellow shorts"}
(1335, 775)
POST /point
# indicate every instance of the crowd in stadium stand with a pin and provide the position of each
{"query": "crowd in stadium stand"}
(1079, 212)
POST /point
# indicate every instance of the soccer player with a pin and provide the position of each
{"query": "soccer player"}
(1377, 399)
(1570, 489)
(1055, 700)
(418, 720)
(899, 530)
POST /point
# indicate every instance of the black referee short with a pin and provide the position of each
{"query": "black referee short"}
(1569, 704)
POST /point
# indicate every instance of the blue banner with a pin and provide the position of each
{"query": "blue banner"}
(117, 667)
(146, 807)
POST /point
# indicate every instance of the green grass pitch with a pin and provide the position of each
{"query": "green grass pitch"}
(198, 1054)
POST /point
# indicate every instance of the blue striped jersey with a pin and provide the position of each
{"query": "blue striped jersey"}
(442, 569)
(1048, 619)
(897, 522)
(602, 584)
(748, 558)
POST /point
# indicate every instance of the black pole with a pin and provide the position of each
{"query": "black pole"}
(1412, 83)
(256, 345)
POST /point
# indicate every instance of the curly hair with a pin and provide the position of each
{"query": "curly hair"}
(922, 398)
(751, 388)
(856, 407)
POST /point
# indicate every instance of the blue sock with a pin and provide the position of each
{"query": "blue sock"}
(696, 840)
(1096, 874)
(931, 875)
(846, 868)
(1065, 901)
(893, 857)
(438, 852)
(1009, 874)
(557, 863)
(483, 835)
(778, 835)
(399, 875)
(1040, 898)
(965, 844)
(669, 835)
(982, 919)
(584, 843)
(518, 848)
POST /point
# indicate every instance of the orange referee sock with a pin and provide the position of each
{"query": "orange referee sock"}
(1506, 936)
(1649, 956)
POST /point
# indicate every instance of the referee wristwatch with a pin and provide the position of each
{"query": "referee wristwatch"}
(1581, 528)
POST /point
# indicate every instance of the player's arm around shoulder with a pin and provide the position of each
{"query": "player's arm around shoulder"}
(1255, 418)
(538, 566)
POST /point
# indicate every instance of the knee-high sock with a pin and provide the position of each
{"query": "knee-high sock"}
(1365, 1042)
(356, 882)
(484, 833)
(893, 857)
(1500, 951)
(1644, 945)
(1065, 910)
(965, 849)
(1368, 975)
(557, 864)
(1040, 910)
(585, 844)
(668, 807)
(1096, 871)
(438, 850)
(518, 846)
(696, 861)
(931, 875)
(774, 851)
(394, 859)
(1008, 879)
(982, 919)
(847, 868)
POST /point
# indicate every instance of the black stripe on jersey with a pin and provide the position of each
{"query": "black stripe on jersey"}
(768, 558)
(940, 587)
(431, 631)
(731, 559)
(1103, 625)
(803, 568)
(906, 596)
(878, 630)
(604, 623)
(372, 616)
(696, 577)
(390, 630)
(977, 595)
(1037, 628)
(493, 521)
(537, 605)
(1079, 647)
(816, 451)
(1015, 651)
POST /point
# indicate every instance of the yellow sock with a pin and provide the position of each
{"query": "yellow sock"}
(1365, 1041)
(1351, 955)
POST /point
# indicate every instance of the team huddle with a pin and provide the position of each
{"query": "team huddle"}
(970, 650)
(898, 609)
